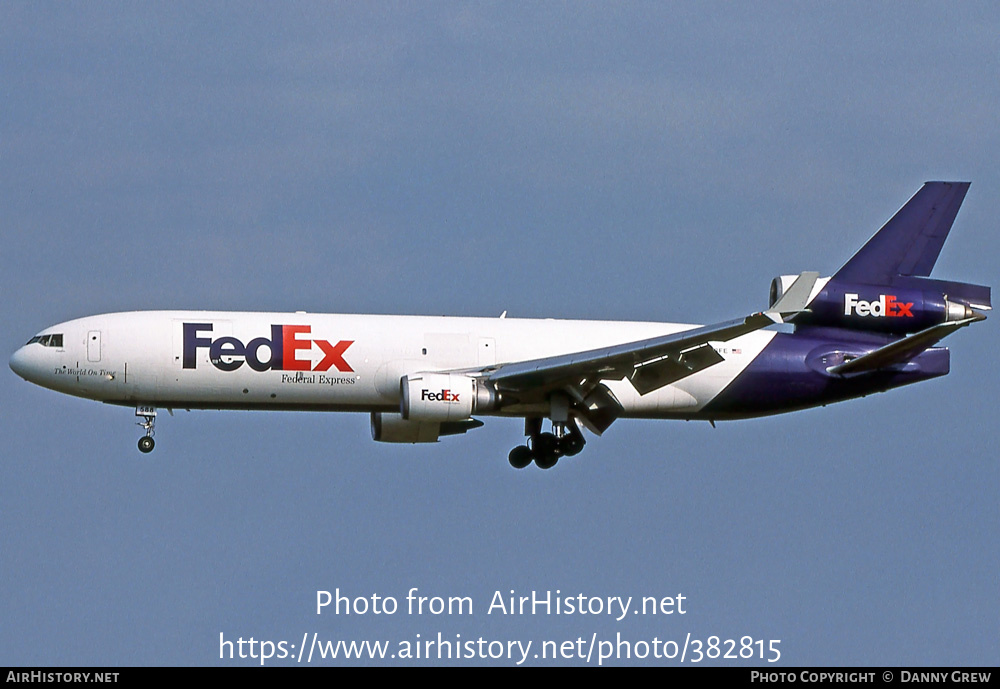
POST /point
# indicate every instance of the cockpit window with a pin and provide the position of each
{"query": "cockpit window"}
(55, 340)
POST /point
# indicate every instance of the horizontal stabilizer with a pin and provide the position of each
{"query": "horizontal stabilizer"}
(973, 296)
(901, 351)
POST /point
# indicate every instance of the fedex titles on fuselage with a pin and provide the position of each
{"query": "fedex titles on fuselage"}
(283, 347)
(885, 306)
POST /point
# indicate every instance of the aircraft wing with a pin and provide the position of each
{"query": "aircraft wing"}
(651, 363)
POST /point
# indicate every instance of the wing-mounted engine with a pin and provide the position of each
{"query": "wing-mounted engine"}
(433, 405)
(444, 397)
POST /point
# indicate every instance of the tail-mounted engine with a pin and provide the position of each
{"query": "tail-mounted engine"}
(908, 305)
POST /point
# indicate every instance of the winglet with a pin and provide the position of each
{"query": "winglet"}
(795, 298)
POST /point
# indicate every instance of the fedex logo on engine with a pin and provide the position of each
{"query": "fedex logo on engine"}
(282, 350)
(443, 396)
(885, 306)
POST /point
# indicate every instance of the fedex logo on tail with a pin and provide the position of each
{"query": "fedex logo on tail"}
(886, 306)
(282, 350)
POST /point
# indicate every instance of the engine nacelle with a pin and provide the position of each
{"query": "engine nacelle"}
(393, 428)
(780, 285)
(893, 308)
(444, 397)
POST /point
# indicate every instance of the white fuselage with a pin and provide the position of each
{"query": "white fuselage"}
(207, 359)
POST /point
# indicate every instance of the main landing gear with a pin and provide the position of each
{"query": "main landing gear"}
(545, 449)
(148, 415)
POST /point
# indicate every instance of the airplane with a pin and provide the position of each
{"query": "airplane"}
(870, 327)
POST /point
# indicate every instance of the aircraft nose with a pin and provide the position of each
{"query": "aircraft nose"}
(20, 363)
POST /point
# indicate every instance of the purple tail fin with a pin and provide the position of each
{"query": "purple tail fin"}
(909, 244)
(886, 286)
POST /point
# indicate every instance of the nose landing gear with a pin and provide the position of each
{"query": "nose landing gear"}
(148, 415)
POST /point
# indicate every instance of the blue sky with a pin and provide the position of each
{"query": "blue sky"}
(640, 161)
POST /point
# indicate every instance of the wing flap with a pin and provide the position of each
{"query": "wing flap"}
(654, 375)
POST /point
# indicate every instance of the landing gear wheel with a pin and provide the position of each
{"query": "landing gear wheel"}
(519, 457)
(545, 444)
(148, 415)
(545, 448)
(546, 461)
(573, 444)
